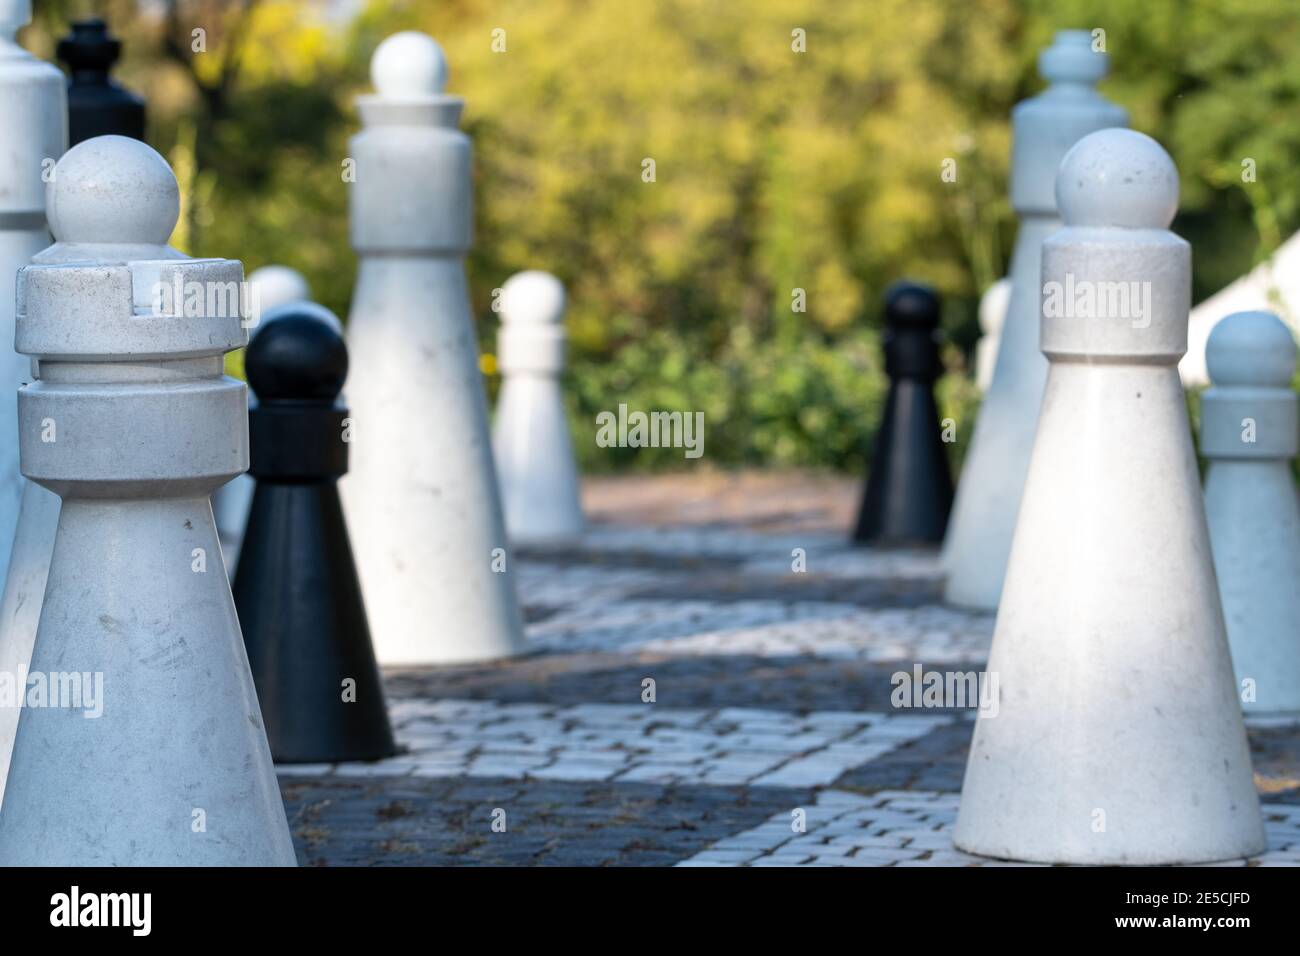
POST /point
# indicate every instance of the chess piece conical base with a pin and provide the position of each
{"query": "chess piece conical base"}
(175, 770)
(305, 629)
(909, 491)
(422, 495)
(20, 611)
(1254, 522)
(1117, 738)
(538, 473)
(978, 540)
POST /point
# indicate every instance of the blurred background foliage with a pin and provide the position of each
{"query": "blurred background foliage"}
(774, 171)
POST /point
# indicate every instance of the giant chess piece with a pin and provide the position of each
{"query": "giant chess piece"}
(534, 455)
(909, 488)
(1249, 436)
(988, 491)
(296, 588)
(1117, 737)
(33, 129)
(133, 424)
(268, 288)
(422, 498)
(97, 104)
(33, 124)
(992, 316)
(118, 166)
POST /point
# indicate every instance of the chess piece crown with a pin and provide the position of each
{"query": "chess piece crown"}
(97, 104)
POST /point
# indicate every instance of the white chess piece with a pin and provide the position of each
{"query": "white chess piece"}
(34, 130)
(269, 288)
(119, 236)
(1117, 736)
(534, 454)
(1249, 434)
(273, 286)
(983, 519)
(1273, 286)
(148, 749)
(993, 315)
(421, 498)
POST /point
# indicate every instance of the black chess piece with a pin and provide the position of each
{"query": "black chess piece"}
(97, 105)
(909, 486)
(296, 587)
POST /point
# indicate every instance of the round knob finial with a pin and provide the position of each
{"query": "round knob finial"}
(1071, 59)
(298, 355)
(112, 189)
(274, 286)
(533, 298)
(911, 305)
(1251, 348)
(1117, 177)
(409, 64)
(89, 46)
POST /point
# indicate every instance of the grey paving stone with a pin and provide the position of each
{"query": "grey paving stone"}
(376, 821)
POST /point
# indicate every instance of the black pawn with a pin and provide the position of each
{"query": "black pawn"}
(909, 487)
(296, 586)
(97, 106)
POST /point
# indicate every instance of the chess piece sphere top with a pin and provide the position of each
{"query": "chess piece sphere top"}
(1251, 348)
(112, 189)
(299, 356)
(1071, 59)
(89, 46)
(533, 298)
(911, 305)
(276, 285)
(1117, 177)
(409, 65)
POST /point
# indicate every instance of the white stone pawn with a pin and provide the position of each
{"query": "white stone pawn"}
(269, 288)
(1249, 434)
(106, 175)
(983, 519)
(534, 454)
(992, 316)
(422, 497)
(133, 425)
(34, 127)
(1118, 737)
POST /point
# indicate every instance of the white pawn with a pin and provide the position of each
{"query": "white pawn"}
(273, 286)
(1249, 436)
(534, 455)
(983, 518)
(1117, 738)
(268, 288)
(108, 171)
(993, 315)
(421, 498)
(34, 128)
(133, 425)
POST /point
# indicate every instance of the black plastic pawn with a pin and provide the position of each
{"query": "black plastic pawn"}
(909, 486)
(296, 587)
(97, 106)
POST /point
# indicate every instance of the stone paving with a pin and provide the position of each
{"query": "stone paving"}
(708, 683)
